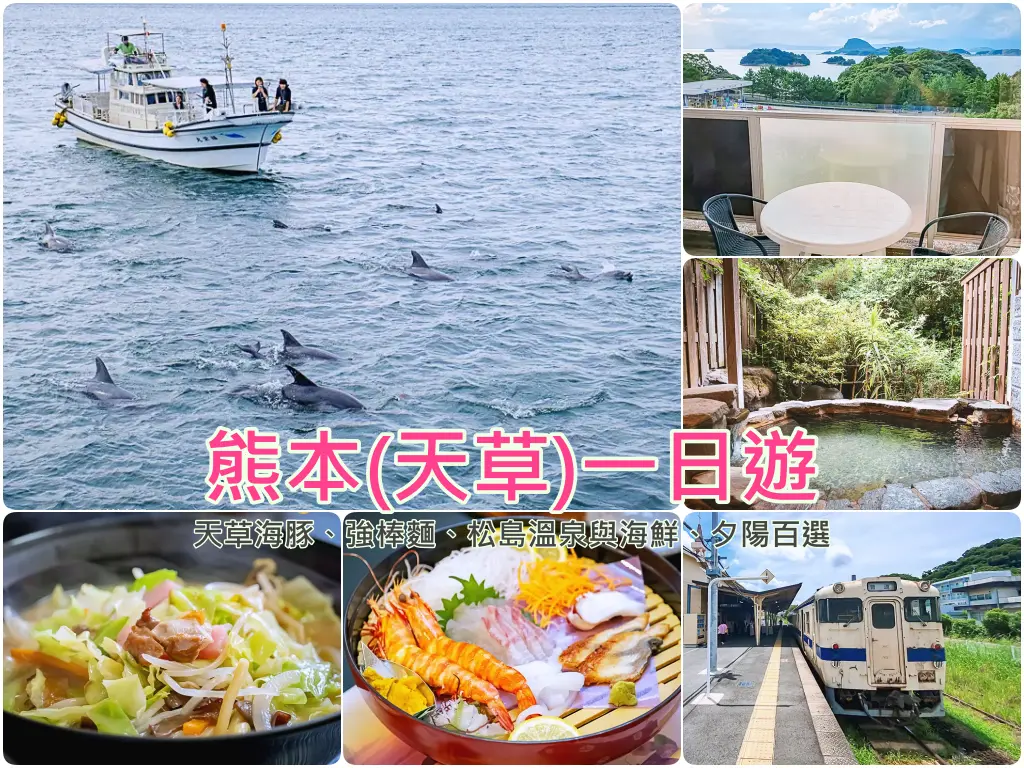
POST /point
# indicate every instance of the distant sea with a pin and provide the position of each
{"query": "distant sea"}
(730, 59)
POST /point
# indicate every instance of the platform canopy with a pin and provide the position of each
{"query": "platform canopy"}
(702, 87)
(777, 600)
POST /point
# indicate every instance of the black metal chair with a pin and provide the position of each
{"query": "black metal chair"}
(729, 241)
(993, 239)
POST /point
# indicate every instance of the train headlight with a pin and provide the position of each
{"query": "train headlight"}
(838, 588)
(835, 646)
(926, 676)
(936, 646)
(924, 586)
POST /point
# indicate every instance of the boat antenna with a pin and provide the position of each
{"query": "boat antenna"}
(145, 36)
(227, 64)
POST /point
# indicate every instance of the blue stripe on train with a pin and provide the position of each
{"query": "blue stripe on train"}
(926, 654)
(829, 653)
(808, 640)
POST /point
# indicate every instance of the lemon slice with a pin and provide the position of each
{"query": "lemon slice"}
(545, 728)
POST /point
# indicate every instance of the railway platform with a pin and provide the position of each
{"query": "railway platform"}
(766, 709)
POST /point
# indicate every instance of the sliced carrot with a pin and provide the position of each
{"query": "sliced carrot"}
(198, 615)
(45, 660)
(195, 727)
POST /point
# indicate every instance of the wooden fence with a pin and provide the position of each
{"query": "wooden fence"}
(988, 289)
(704, 322)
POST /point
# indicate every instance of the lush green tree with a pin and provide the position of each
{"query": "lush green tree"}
(967, 628)
(897, 50)
(947, 624)
(1015, 624)
(697, 66)
(996, 623)
(821, 89)
(996, 555)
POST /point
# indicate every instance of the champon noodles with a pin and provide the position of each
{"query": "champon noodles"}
(164, 658)
(507, 639)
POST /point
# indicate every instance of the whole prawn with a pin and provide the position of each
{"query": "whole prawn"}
(394, 640)
(431, 638)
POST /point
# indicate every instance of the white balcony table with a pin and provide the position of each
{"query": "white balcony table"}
(836, 218)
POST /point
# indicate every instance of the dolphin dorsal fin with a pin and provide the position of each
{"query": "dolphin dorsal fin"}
(278, 224)
(256, 346)
(300, 377)
(289, 340)
(49, 230)
(437, 208)
(102, 374)
(417, 261)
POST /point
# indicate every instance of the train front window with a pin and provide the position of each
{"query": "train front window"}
(883, 616)
(921, 609)
(840, 610)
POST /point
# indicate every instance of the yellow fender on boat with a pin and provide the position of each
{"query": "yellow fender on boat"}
(277, 138)
(168, 129)
(59, 119)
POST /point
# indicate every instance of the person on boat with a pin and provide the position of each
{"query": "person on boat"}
(259, 92)
(283, 97)
(209, 95)
(179, 100)
(127, 47)
(66, 93)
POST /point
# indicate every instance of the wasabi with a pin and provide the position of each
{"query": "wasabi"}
(623, 694)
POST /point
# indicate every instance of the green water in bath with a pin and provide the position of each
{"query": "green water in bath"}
(856, 454)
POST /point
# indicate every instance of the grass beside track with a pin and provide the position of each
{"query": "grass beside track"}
(985, 675)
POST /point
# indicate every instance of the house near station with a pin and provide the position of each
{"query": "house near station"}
(973, 595)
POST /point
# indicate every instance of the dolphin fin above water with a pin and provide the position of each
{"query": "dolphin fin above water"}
(53, 241)
(102, 374)
(304, 391)
(300, 378)
(437, 208)
(289, 340)
(296, 350)
(423, 271)
(253, 350)
(102, 386)
(279, 224)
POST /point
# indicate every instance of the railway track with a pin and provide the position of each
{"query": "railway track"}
(989, 715)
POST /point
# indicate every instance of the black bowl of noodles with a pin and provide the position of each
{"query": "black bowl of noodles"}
(103, 552)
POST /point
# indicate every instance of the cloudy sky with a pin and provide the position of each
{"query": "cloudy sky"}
(863, 543)
(828, 26)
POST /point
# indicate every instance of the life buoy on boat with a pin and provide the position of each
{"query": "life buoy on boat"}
(277, 138)
(168, 129)
(59, 119)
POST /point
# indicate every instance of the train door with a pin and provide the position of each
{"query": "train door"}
(885, 643)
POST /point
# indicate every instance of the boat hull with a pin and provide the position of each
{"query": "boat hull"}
(237, 144)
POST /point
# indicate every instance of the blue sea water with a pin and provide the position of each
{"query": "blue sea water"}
(547, 134)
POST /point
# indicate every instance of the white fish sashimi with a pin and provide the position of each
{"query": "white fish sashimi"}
(497, 567)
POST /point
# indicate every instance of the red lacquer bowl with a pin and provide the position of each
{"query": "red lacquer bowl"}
(453, 748)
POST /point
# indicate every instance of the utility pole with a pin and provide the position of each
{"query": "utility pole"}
(711, 625)
(766, 576)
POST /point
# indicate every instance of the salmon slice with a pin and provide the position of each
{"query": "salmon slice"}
(576, 653)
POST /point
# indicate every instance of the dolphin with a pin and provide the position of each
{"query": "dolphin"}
(55, 242)
(573, 273)
(318, 227)
(296, 351)
(252, 350)
(102, 387)
(305, 392)
(422, 271)
(437, 208)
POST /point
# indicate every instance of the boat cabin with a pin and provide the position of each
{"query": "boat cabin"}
(136, 89)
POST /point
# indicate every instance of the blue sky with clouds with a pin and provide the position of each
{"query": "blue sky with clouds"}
(863, 543)
(829, 25)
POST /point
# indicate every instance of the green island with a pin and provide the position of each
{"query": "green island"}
(840, 60)
(775, 57)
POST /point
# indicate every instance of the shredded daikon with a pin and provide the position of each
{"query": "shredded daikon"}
(498, 566)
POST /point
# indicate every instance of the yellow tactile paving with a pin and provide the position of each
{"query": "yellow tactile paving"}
(758, 747)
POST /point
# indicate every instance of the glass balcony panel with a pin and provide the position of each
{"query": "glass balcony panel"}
(980, 172)
(716, 159)
(894, 156)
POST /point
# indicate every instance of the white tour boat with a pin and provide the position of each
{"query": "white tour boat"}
(145, 110)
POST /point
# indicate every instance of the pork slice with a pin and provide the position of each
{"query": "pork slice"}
(182, 639)
(141, 640)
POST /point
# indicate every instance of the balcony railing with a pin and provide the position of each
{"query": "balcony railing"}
(939, 164)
